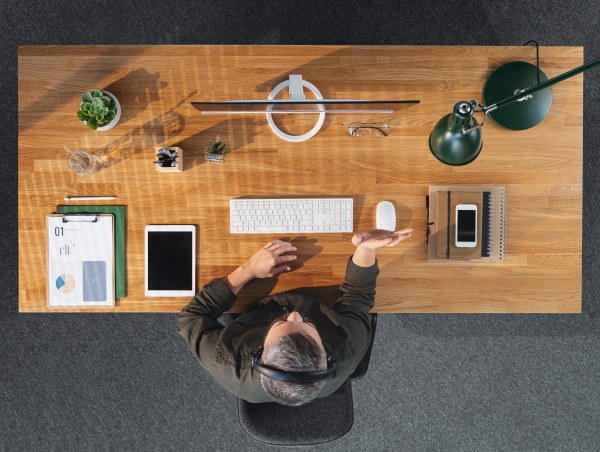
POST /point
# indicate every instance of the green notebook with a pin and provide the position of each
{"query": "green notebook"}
(119, 214)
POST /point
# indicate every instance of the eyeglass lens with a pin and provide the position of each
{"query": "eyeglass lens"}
(379, 129)
(357, 129)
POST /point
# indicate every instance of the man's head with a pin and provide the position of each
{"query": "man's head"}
(293, 344)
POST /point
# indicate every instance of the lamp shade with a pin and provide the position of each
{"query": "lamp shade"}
(447, 141)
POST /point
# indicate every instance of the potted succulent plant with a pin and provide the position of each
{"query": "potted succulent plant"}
(215, 152)
(100, 110)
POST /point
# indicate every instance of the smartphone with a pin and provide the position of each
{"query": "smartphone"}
(466, 225)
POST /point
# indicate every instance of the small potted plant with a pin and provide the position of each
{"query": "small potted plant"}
(170, 159)
(99, 110)
(215, 152)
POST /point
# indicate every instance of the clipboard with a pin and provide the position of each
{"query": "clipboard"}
(119, 217)
(80, 261)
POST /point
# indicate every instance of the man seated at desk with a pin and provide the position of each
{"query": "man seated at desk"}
(296, 331)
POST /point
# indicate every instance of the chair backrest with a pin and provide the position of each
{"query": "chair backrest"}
(317, 422)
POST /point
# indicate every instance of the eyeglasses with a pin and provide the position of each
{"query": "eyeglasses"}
(358, 129)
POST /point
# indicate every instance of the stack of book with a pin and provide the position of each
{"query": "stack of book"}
(491, 223)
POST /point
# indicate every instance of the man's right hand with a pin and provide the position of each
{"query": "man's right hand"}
(380, 237)
(367, 242)
(269, 259)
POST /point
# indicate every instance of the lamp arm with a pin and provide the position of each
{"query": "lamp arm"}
(484, 110)
(529, 91)
(547, 83)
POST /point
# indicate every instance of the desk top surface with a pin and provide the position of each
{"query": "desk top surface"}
(540, 167)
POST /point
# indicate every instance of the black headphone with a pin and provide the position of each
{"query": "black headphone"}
(288, 376)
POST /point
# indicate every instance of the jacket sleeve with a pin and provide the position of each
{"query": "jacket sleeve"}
(357, 299)
(198, 320)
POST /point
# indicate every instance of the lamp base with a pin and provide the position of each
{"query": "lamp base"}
(503, 83)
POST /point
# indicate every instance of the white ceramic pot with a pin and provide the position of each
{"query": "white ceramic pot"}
(114, 122)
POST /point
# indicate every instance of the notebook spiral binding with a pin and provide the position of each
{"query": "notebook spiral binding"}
(502, 209)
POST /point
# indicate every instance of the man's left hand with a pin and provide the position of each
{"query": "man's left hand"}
(267, 262)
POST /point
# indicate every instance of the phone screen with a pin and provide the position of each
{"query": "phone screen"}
(465, 226)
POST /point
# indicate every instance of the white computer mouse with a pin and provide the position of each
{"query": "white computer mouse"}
(386, 216)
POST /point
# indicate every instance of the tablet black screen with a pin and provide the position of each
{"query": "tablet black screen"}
(170, 260)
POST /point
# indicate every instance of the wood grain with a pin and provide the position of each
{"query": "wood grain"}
(541, 167)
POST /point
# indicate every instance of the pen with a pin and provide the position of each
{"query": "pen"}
(89, 198)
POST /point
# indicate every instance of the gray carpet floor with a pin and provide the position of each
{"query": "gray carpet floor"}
(79, 382)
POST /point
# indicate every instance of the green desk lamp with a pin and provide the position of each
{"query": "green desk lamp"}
(456, 139)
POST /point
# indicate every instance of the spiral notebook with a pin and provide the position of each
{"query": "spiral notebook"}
(491, 227)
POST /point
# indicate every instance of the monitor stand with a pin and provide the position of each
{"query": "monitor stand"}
(296, 85)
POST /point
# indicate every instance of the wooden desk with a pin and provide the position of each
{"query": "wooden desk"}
(541, 167)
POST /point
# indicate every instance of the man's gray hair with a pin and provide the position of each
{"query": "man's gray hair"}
(296, 352)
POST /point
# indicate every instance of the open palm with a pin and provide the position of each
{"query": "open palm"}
(380, 237)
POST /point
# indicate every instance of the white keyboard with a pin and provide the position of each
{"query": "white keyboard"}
(273, 216)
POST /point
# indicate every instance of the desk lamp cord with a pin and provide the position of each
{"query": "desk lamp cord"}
(537, 57)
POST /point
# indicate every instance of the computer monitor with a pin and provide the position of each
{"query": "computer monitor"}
(297, 103)
(302, 106)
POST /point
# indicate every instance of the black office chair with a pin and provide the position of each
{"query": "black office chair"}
(317, 422)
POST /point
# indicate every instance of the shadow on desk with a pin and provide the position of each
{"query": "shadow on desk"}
(160, 129)
(94, 72)
(134, 142)
(307, 248)
(136, 91)
(235, 132)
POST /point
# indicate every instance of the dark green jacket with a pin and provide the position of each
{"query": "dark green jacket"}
(224, 351)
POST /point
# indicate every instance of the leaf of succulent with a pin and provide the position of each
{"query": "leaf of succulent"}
(98, 108)
(86, 97)
(92, 124)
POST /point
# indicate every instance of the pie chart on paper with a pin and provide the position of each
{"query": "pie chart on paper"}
(65, 283)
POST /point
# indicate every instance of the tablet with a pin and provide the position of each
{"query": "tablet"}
(170, 261)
